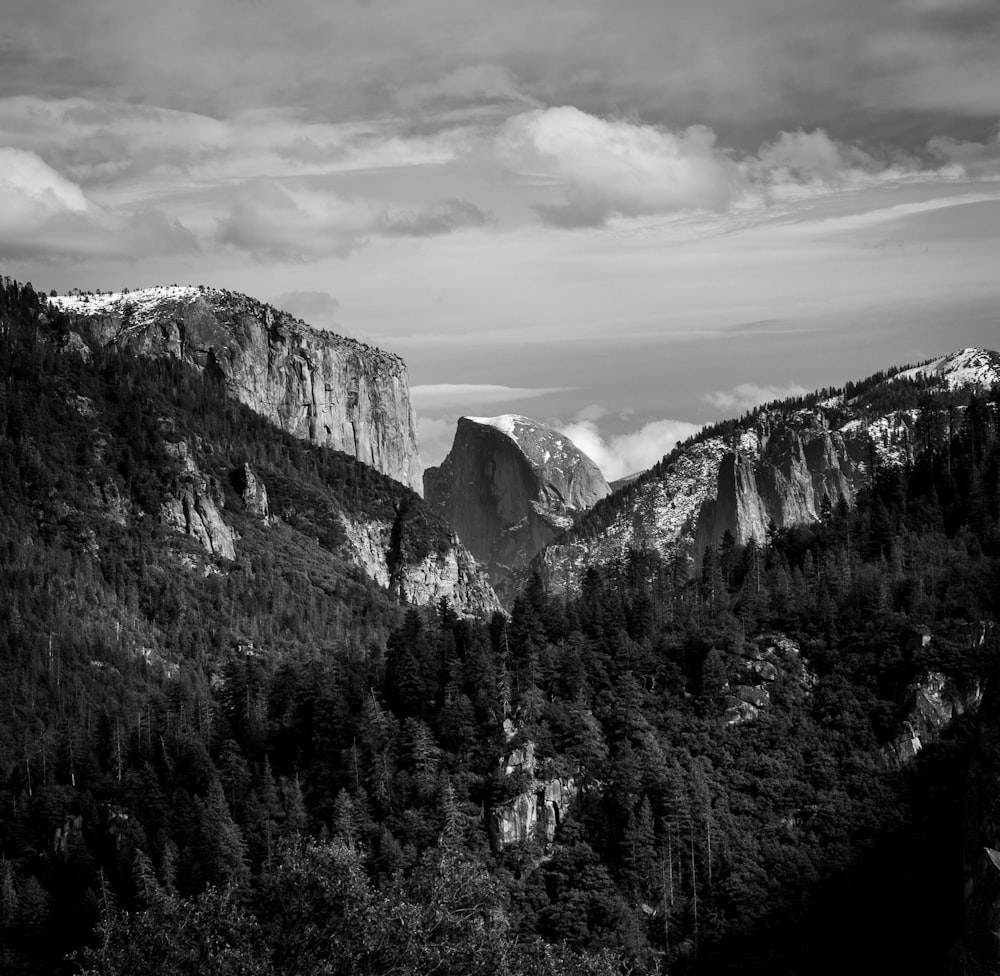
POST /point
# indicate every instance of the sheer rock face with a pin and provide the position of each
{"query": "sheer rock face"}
(253, 491)
(536, 813)
(193, 504)
(780, 469)
(509, 486)
(779, 473)
(449, 573)
(930, 705)
(318, 386)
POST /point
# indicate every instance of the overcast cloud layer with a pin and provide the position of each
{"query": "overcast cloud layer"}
(679, 213)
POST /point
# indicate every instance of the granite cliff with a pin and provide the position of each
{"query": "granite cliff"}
(509, 486)
(778, 465)
(321, 387)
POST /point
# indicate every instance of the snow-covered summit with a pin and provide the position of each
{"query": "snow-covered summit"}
(542, 445)
(506, 423)
(143, 302)
(971, 366)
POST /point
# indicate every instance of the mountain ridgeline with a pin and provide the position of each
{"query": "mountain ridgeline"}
(778, 466)
(751, 729)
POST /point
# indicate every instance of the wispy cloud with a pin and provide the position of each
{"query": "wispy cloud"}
(744, 396)
(443, 395)
(441, 218)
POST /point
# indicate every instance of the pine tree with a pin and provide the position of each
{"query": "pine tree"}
(222, 848)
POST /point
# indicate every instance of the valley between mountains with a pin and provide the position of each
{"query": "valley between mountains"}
(273, 701)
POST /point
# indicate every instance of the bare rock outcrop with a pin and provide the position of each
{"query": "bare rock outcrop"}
(775, 660)
(253, 491)
(193, 502)
(447, 571)
(534, 814)
(316, 385)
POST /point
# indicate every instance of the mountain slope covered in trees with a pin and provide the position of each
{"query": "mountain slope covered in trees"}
(265, 765)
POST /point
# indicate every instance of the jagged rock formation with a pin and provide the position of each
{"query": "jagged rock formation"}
(253, 491)
(318, 386)
(772, 658)
(534, 814)
(447, 572)
(193, 503)
(509, 486)
(778, 465)
(930, 705)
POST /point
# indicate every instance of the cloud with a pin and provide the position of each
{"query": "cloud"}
(478, 84)
(745, 396)
(616, 168)
(624, 454)
(435, 435)
(274, 221)
(977, 160)
(593, 411)
(43, 214)
(744, 66)
(297, 221)
(806, 157)
(442, 218)
(469, 395)
(107, 142)
(318, 308)
(603, 168)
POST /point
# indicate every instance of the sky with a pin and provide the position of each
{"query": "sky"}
(626, 219)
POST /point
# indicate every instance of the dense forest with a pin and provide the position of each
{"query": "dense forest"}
(268, 766)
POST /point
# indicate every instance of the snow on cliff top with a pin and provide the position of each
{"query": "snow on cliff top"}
(520, 430)
(506, 423)
(540, 443)
(967, 367)
(108, 303)
(146, 305)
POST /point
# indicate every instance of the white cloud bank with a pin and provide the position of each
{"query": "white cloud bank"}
(44, 214)
(745, 396)
(618, 168)
(624, 454)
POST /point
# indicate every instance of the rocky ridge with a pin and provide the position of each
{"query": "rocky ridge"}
(509, 486)
(193, 504)
(322, 387)
(778, 465)
(447, 573)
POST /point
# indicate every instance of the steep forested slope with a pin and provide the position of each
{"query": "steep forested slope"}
(257, 766)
